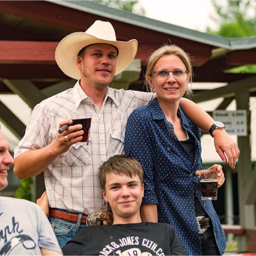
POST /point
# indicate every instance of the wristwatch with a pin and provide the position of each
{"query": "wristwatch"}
(216, 125)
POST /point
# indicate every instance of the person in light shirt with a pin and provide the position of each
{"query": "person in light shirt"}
(24, 228)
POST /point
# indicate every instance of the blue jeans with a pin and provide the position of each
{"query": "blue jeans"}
(65, 230)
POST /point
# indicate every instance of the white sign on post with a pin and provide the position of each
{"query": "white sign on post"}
(235, 121)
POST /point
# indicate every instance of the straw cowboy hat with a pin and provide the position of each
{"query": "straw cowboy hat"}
(99, 32)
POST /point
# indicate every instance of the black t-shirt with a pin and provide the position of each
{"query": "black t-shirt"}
(127, 239)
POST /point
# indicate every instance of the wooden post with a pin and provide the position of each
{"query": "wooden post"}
(244, 168)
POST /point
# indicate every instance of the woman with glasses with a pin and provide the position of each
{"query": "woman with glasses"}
(167, 144)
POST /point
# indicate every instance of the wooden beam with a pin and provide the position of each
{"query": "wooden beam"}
(218, 77)
(225, 103)
(226, 91)
(26, 90)
(200, 53)
(43, 52)
(214, 71)
(72, 19)
(244, 57)
(249, 190)
(244, 168)
(11, 121)
(233, 229)
(57, 88)
(31, 71)
(27, 52)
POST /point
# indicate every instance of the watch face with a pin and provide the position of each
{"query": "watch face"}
(219, 124)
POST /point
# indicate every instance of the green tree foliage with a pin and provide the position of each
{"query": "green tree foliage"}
(228, 9)
(24, 191)
(129, 6)
(236, 19)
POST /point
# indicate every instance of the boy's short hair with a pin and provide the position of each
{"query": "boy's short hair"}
(120, 164)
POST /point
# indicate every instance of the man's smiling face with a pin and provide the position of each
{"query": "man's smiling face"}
(5, 161)
(98, 65)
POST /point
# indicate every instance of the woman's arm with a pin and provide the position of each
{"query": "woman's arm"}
(224, 145)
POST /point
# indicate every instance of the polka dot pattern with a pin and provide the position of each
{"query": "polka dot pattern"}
(169, 175)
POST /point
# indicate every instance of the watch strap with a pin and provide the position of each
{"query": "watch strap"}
(212, 128)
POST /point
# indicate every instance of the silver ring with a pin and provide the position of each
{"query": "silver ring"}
(67, 139)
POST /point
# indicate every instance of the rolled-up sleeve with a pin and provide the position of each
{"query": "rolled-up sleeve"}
(36, 131)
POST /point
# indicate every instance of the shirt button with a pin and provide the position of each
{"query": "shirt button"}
(191, 174)
(168, 148)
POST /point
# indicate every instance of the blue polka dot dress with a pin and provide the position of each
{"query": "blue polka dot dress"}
(169, 174)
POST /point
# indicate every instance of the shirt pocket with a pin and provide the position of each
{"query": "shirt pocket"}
(79, 154)
(117, 141)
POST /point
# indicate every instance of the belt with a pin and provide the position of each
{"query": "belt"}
(72, 217)
(203, 223)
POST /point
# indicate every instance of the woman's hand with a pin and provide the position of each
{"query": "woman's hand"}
(226, 147)
(219, 172)
(43, 203)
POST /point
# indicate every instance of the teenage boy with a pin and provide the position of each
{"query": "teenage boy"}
(121, 180)
(24, 228)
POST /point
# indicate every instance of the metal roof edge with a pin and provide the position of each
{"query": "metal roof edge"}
(242, 43)
(148, 23)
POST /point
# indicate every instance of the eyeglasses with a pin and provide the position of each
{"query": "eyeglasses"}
(163, 74)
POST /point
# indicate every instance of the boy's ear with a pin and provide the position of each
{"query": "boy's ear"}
(142, 188)
(104, 195)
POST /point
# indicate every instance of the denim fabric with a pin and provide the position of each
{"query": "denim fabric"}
(65, 230)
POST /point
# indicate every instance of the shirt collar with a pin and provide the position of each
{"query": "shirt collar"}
(158, 114)
(80, 95)
(111, 94)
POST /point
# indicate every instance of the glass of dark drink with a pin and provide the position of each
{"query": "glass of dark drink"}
(86, 123)
(209, 184)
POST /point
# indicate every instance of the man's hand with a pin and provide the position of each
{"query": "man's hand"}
(64, 140)
(226, 147)
(43, 203)
(34, 161)
(219, 171)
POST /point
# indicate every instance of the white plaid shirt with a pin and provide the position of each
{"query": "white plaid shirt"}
(71, 180)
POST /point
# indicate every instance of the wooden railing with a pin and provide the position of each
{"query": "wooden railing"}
(233, 229)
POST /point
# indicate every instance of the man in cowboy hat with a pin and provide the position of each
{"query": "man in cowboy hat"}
(24, 228)
(70, 166)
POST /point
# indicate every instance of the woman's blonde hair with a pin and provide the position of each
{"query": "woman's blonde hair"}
(169, 50)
